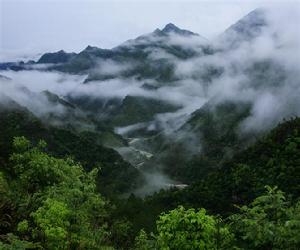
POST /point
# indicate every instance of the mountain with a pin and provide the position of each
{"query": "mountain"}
(151, 62)
(56, 57)
(137, 59)
(246, 29)
(135, 109)
(136, 52)
(16, 66)
(171, 28)
(246, 173)
(55, 99)
(212, 128)
(214, 132)
(210, 136)
(236, 181)
(16, 120)
(57, 111)
(160, 36)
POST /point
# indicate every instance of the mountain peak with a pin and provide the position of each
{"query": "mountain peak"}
(246, 29)
(157, 31)
(256, 17)
(172, 28)
(89, 48)
(56, 57)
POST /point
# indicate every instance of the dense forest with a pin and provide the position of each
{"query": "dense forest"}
(59, 199)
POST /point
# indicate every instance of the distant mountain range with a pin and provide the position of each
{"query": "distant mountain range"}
(245, 29)
(155, 120)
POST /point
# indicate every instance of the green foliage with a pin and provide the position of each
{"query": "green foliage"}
(188, 229)
(273, 160)
(36, 170)
(116, 175)
(52, 220)
(12, 242)
(269, 222)
(22, 226)
(142, 241)
(121, 233)
(7, 206)
(57, 203)
(48, 201)
(136, 109)
(212, 131)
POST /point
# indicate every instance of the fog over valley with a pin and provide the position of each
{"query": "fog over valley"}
(171, 73)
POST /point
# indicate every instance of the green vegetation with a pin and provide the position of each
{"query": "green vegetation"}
(84, 147)
(203, 143)
(51, 192)
(188, 229)
(52, 203)
(269, 222)
(273, 160)
(136, 109)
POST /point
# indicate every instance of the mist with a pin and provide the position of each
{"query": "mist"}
(273, 95)
(280, 45)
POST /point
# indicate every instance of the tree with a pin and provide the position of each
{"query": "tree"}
(56, 199)
(269, 222)
(189, 229)
(12, 242)
(52, 221)
(142, 242)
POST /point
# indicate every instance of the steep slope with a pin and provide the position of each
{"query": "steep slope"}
(210, 136)
(246, 29)
(152, 56)
(217, 129)
(273, 160)
(135, 109)
(58, 111)
(18, 121)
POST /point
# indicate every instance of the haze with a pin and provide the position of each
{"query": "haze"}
(30, 27)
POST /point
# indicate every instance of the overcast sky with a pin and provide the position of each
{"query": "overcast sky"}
(30, 27)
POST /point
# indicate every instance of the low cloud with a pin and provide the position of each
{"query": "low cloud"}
(263, 71)
(229, 80)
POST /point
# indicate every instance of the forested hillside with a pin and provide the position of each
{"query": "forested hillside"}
(54, 203)
(82, 146)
